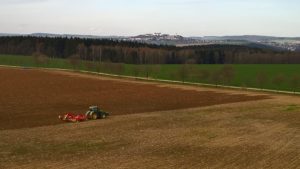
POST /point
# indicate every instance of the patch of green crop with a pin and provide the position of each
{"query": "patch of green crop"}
(292, 107)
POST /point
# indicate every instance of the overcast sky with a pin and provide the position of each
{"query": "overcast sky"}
(132, 17)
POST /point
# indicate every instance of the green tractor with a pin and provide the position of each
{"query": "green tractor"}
(95, 113)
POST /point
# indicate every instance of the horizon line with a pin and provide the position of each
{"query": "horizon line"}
(77, 34)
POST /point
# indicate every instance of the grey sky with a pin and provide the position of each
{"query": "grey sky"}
(131, 17)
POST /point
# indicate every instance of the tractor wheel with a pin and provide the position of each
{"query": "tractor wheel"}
(94, 116)
(103, 116)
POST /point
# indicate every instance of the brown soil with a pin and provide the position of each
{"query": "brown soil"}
(247, 135)
(31, 98)
(243, 135)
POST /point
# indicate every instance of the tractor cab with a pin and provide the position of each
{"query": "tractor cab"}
(93, 108)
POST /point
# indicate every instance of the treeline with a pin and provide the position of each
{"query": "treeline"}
(137, 53)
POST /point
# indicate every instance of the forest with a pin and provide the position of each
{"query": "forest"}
(117, 51)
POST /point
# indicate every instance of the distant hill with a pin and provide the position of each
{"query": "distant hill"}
(135, 52)
(264, 42)
(271, 42)
(9, 34)
(252, 38)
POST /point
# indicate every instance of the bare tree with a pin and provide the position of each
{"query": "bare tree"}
(295, 82)
(190, 61)
(39, 47)
(98, 67)
(278, 80)
(137, 69)
(94, 52)
(99, 57)
(74, 60)
(107, 67)
(40, 58)
(183, 72)
(204, 75)
(82, 51)
(261, 79)
(227, 73)
(118, 68)
(90, 65)
(216, 77)
(146, 70)
(156, 69)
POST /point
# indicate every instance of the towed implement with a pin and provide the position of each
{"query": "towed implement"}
(93, 113)
(71, 117)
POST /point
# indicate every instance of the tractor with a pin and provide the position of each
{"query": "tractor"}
(95, 113)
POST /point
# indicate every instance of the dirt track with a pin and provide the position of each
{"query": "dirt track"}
(31, 98)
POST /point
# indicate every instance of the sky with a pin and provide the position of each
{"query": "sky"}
(133, 17)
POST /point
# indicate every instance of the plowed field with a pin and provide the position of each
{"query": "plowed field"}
(31, 98)
(153, 125)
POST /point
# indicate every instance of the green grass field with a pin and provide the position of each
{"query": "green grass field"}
(244, 75)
